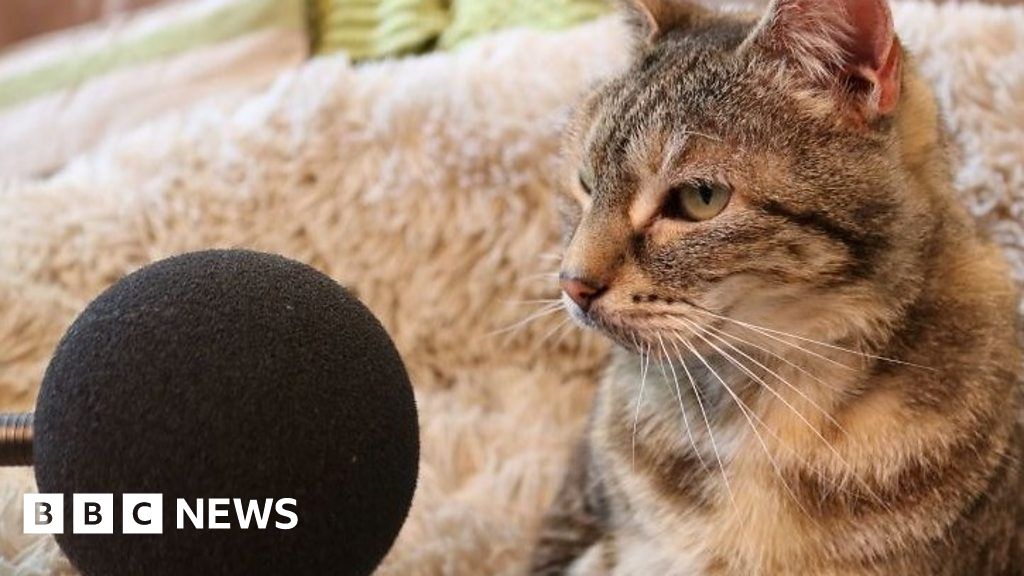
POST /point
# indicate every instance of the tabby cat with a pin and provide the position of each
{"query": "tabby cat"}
(816, 368)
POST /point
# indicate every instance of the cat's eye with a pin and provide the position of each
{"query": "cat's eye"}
(696, 201)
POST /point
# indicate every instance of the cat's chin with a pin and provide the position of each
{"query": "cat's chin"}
(629, 335)
(617, 331)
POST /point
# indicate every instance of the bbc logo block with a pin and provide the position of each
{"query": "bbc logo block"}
(44, 514)
(142, 514)
(93, 514)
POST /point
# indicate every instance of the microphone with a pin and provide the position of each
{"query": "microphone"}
(226, 376)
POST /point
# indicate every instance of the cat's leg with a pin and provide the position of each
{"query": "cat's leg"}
(576, 524)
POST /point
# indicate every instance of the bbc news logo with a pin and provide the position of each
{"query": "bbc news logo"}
(144, 514)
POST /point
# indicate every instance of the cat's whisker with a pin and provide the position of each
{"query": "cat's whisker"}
(541, 275)
(814, 429)
(543, 339)
(645, 365)
(771, 372)
(545, 310)
(750, 417)
(746, 370)
(757, 330)
(829, 345)
(779, 357)
(780, 442)
(700, 404)
(535, 302)
(687, 132)
(679, 398)
(711, 435)
(564, 330)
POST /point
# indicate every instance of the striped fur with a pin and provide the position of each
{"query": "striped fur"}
(891, 446)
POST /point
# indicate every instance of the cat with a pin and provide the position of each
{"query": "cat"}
(816, 367)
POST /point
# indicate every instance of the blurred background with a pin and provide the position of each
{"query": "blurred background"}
(21, 19)
(73, 73)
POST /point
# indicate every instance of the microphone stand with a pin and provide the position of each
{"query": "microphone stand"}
(16, 439)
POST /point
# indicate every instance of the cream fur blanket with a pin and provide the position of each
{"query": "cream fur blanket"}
(426, 184)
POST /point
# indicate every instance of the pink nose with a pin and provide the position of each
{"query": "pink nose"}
(583, 292)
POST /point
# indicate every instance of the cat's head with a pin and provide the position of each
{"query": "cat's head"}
(759, 167)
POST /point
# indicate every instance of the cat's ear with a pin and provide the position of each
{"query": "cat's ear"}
(846, 44)
(650, 20)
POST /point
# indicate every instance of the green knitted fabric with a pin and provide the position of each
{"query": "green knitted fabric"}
(472, 18)
(377, 28)
(367, 29)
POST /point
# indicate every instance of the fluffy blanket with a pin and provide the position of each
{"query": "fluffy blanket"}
(425, 184)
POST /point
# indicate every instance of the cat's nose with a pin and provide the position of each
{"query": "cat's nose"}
(582, 291)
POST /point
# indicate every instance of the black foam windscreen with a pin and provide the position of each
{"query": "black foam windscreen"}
(239, 375)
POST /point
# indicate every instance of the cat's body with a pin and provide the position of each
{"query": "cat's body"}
(718, 444)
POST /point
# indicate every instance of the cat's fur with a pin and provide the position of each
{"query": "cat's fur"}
(843, 229)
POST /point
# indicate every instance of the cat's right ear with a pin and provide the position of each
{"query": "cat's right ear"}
(651, 20)
(849, 46)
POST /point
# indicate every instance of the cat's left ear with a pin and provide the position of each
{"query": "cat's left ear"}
(651, 20)
(848, 45)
